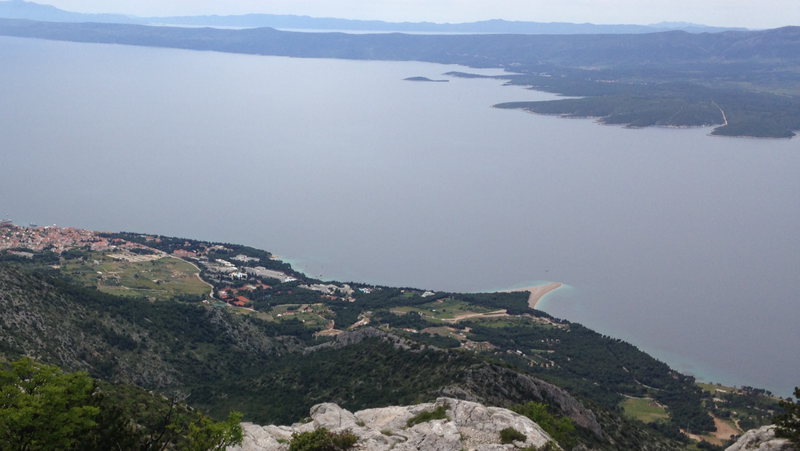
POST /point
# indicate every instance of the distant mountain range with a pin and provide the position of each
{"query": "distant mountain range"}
(19, 9)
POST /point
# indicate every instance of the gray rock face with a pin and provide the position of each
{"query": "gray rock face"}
(761, 439)
(469, 426)
(492, 384)
(357, 336)
(485, 384)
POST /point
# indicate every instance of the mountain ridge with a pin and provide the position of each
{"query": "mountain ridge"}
(20, 9)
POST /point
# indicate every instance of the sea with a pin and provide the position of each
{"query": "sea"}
(683, 244)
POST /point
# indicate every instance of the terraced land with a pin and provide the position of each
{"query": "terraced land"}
(157, 278)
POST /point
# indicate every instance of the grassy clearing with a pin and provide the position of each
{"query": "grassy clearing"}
(160, 279)
(447, 309)
(497, 323)
(712, 388)
(640, 409)
(450, 308)
(444, 332)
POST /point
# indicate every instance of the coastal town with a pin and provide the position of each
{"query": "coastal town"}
(52, 238)
(231, 281)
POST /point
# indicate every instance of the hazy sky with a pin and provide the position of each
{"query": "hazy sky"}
(743, 13)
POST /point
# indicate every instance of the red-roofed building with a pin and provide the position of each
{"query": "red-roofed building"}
(183, 253)
(240, 301)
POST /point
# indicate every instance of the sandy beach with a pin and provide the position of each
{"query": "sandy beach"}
(537, 292)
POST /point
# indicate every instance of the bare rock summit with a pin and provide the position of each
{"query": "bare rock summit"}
(761, 439)
(469, 426)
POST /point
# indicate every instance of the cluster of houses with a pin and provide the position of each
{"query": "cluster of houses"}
(57, 239)
(229, 295)
(306, 309)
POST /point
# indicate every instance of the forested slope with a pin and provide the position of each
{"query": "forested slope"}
(670, 78)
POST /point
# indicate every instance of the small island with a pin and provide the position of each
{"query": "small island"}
(425, 79)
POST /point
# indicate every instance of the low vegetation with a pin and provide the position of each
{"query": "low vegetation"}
(220, 358)
(789, 421)
(43, 409)
(511, 435)
(668, 79)
(439, 413)
(561, 429)
(322, 439)
(644, 409)
(156, 279)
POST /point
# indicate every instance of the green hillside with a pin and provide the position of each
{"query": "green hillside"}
(304, 342)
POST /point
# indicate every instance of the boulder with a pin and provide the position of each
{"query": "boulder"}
(469, 426)
(761, 439)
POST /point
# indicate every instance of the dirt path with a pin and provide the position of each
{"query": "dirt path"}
(197, 274)
(724, 430)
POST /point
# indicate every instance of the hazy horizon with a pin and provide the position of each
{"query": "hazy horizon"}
(734, 13)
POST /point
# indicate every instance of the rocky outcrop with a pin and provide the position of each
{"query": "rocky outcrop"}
(496, 385)
(761, 439)
(485, 384)
(469, 426)
(357, 336)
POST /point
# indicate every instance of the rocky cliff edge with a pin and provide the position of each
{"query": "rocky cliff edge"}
(761, 439)
(469, 426)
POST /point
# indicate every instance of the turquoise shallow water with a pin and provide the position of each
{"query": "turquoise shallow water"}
(682, 244)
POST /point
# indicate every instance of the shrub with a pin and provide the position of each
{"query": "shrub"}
(322, 440)
(549, 446)
(561, 429)
(425, 416)
(343, 440)
(511, 435)
(789, 422)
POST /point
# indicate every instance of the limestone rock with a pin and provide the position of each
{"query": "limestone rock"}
(469, 426)
(761, 439)
(357, 336)
(492, 384)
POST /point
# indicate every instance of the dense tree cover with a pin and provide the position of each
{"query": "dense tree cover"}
(789, 421)
(43, 408)
(600, 368)
(561, 429)
(370, 374)
(224, 361)
(760, 115)
(668, 69)
(321, 439)
(515, 302)
(283, 294)
(43, 258)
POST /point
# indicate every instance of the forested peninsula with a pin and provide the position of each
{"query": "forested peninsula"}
(744, 82)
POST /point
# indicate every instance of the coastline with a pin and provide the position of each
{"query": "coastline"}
(537, 292)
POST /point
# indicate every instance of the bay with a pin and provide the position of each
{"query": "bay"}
(683, 244)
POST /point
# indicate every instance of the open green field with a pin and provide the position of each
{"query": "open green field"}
(315, 319)
(444, 332)
(640, 409)
(447, 309)
(498, 322)
(712, 388)
(160, 279)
